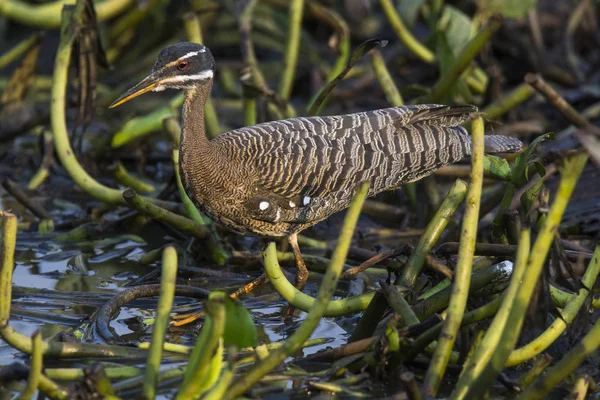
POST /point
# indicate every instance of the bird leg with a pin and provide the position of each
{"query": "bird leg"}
(301, 270)
(184, 319)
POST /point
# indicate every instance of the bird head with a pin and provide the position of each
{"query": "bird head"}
(179, 66)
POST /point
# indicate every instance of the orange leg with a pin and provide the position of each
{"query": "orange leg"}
(184, 319)
(301, 270)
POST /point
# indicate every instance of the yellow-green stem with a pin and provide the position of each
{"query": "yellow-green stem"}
(469, 52)
(404, 34)
(462, 277)
(559, 325)
(19, 49)
(35, 367)
(200, 374)
(302, 301)
(485, 349)
(290, 59)
(122, 176)
(557, 373)
(570, 174)
(509, 101)
(163, 310)
(48, 15)
(434, 229)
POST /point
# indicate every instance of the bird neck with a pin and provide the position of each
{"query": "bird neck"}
(195, 149)
(194, 132)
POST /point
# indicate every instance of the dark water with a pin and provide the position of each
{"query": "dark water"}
(58, 287)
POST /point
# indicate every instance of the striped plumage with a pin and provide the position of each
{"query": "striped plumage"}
(304, 169)
(280, 177)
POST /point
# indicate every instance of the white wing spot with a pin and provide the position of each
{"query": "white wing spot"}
(306, 200)
(292, 204)
(263, 205)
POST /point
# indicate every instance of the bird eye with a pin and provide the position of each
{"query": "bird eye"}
(183, 65)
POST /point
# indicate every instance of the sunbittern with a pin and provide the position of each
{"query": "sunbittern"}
(280, 177)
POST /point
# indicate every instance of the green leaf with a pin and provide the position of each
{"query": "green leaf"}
(392, 336)
(520, 168)
(508, 8)
(528, 198)
(357, 54)
(458, 28)
(239, 326)
(445, 60)
(497, 166)
(409, 10)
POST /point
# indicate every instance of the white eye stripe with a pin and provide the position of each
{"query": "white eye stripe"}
(208, 74)
(194, 53)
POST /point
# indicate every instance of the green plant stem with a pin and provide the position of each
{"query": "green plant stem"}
(488, 345)
(463, 60)
(414, 265)
(123, 177)
(561, 298)
(160, 214)
(434, 229)
(64, 374)
(557, 373)
(141, 126)
(51, 389)
(7, 253)
(18, 50)
(290, 59)
(250, 111)
(163, 310)
(218, 390)
(570, 174)
(194, 34)
(392, 94)
(399, 305)
(494, 279)
(462, 276)
(198, 374)
(567, 315)
(326, 290)
(44, 169)
(498, 224)
(404, 34)
(57, 113)
(48, 15)
(509, 101)
(35, 367)
(320, 99)
(427, 337)
(343, 34)
(539, 365)
(303, 301)
(131, 20)
(136, 381)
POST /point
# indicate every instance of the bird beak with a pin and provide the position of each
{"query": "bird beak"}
(147, 84)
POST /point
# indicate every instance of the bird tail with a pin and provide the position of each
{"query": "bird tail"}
(502, 144)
